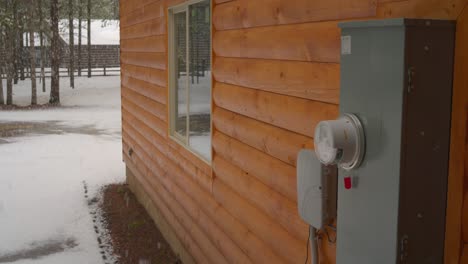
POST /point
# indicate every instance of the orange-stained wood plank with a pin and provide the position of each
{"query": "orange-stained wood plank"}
(433, 9)
(128, 6)
(171, 3)
(166, 187)
(458, 139)
(465, 202)
(465, 218)
(156, 60)
(160, 144)
(182, 213)
(248, 13)
(316, 81)
(151, 106)
(276, 206)
(244, 238)
(154, 27)
(464, 258)
(185, 236)
(291, 113)
(194, 159)
(274, 141)
(318, 42)
(144, 44)
(386, 1)
(191, 167)
(154, 76)
(144, 14)
(272, 172)
(154, 92)
(149, 119)
(291, 249)
(132, 124)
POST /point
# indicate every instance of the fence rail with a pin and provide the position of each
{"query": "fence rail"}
(63, 72)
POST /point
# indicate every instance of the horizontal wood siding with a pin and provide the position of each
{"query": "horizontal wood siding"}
(456, 243)
(275, 76)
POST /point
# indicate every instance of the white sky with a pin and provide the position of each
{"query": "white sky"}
(102, 33)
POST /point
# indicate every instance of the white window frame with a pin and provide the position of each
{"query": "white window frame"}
(185, 141)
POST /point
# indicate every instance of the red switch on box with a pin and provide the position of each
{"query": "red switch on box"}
(348, 183)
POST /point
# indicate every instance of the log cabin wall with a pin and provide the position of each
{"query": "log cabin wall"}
(456, 242)
(275, 75)
(459, 128)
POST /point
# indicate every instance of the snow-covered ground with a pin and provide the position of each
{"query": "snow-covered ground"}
(46, 166)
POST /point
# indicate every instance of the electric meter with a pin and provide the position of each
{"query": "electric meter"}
(340, 142)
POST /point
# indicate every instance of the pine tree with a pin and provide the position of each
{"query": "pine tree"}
(2, 48)
(71, 43)
(80, 18)
(3, 21)
(10, 38)
(32, 54)
(20, 47)
(55, 50)
(41, 37)
(89, 38)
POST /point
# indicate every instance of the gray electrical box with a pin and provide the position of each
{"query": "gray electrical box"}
(396, 76)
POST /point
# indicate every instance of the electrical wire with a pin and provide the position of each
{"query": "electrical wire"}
(314, 246)
(307, 247)
(331, 241)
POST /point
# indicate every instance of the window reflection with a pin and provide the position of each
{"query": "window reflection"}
(180, 43)
(200, 78)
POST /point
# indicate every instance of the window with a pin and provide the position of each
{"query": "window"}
(190, 76)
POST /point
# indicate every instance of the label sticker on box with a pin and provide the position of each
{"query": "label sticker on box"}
(345, 45)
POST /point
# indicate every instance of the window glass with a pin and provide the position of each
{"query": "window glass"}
(200, 78)
(190, 73)
(180, 46)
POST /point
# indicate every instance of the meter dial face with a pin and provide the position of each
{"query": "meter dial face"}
(323, 141)
(340, 141)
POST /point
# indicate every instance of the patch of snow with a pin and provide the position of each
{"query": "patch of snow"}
(95, 91)
(41, 184)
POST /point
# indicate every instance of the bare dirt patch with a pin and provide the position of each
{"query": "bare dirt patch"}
(135, 237)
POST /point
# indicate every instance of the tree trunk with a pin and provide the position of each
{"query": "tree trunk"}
(2, 99)
(21, 52)
(15, 36)
(41, 36)
(80, 16)
(116, 9)
(89, 38)
(32, 54)
(25, 51)
(2, 47)
(11, 46)
(55, 50)
(2, 62)
(71, 44)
